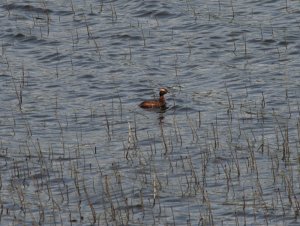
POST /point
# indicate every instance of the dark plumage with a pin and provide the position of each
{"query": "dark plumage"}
(160, 103)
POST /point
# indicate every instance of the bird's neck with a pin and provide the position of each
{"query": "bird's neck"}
(161, 99)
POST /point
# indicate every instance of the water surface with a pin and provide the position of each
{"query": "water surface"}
(76, 149)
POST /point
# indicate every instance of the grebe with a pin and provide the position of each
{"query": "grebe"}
(160, 103)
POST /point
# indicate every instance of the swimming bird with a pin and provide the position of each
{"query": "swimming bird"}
(160, 103)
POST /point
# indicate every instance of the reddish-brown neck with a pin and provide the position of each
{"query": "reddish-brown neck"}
(162, 99)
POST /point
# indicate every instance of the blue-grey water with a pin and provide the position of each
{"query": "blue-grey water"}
(75, 148)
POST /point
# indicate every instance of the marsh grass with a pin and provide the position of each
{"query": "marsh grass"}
(111, 164)
(189, 168)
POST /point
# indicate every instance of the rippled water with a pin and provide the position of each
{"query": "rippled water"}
(76, 149)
